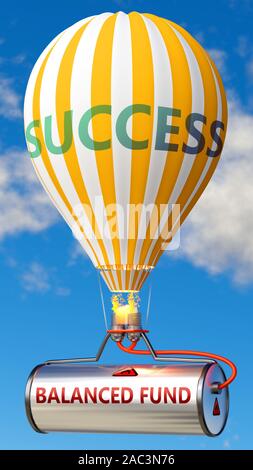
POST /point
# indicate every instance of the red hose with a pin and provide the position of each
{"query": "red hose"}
(131, 350)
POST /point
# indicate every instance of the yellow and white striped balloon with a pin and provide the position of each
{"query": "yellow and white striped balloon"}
(113, 62)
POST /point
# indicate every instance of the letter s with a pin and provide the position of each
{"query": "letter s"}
(32, 139)
(195, 133)
(217, 139)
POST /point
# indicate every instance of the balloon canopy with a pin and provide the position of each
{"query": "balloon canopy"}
(125, 120)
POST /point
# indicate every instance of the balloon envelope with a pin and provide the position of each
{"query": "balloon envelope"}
(125, 119)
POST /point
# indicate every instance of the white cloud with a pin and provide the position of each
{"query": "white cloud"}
(200, 36)
(62, 291)
(41, 279)
(218, 233)
(219, 57)
(18, 59)
(226, 444)
(10, 101)
(122, 3)
(249, 68)
(15, 60)
(35, 279)
(243, 47)
(75, 252)
(245, 5)
(24, 204)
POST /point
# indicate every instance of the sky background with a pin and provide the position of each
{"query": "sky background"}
(202, 294)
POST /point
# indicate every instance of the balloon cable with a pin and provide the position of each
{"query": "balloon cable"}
(131, 349)
(102, 300)
(148, 305)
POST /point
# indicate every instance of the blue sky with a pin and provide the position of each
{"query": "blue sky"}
(201, 295)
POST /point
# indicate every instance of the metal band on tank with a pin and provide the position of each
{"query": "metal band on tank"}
(28, 400)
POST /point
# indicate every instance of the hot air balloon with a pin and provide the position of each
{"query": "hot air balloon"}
(125, 120)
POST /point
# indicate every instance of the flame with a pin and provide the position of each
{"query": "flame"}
(121, 309)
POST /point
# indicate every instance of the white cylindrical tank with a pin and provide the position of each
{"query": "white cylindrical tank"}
(169, 399)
